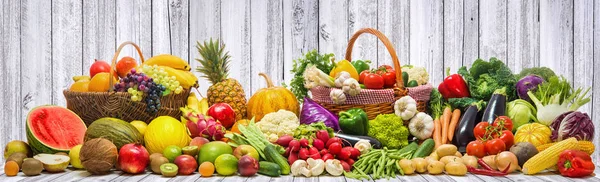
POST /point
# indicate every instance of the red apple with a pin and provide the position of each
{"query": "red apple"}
(186, 164)
(247, 166)
(99, 66)
(199, 141)
(223, 113)
(244, 150)
(133, 158)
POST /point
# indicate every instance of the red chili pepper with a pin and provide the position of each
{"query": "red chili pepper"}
(454, 86)
(485, 172)
(575, 163)
(484, 165)
(506, 169)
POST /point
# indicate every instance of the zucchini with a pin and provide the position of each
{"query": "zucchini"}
(412, 147)
(405, 78)
(412, 83)
(273, 156)
(424, 149)
(269, 169)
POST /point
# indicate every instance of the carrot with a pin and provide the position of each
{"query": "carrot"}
(437, 133)
(453, 123)
(445, 122)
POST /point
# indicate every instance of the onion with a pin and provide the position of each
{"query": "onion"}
(490, 160)
(506, 158)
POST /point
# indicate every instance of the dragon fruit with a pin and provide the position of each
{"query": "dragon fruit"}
(200, 125)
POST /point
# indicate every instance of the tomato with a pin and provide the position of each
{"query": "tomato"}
(363, 74)
(495, 146)
(389, 79)
(476, 148)
(507, 137)
(503, 123)
(480, 129)
(373, 81)
(387, 67)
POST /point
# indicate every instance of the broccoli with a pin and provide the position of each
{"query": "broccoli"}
(388, 129)
(461, 103)
(484, 78)
(543, 72)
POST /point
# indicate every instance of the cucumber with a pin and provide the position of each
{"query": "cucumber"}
(412, 147)
(412, 83)
(273, 155)
(405, 78)
(269, 169)
(425, 149)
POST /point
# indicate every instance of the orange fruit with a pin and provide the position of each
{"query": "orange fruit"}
(101, 82)
(206, 169)
(11, 168)
(80, 86)
(235, 128)
(125, 65)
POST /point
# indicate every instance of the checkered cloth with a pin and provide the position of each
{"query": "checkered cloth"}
(366, 96)
(420, 93)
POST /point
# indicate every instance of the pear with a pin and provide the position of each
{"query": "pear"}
(53, 163)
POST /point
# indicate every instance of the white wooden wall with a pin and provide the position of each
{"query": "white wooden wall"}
(44, 43)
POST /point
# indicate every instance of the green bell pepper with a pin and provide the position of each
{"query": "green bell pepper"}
(354, 121)
(361, 65)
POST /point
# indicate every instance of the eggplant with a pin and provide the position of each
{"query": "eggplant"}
(464, 131)
(352, 139)
(495, 107)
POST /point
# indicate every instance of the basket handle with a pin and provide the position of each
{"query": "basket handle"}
(113, 64)
(388, 45)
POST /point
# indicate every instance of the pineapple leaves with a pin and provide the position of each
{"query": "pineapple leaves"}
(214, 60)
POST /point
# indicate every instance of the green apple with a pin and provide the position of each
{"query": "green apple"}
(243, 150)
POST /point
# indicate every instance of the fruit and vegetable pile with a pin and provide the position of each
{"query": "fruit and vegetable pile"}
(483, 120)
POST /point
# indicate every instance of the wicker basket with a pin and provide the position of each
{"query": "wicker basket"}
(373, 101)
(91, 106)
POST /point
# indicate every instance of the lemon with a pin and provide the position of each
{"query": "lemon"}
(74, 155)
(140, 126)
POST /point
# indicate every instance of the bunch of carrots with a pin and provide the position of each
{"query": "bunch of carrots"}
(445, 126)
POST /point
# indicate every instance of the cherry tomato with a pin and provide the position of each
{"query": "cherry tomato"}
(363, 74)
(495, 146)
(476, 148)
(480, 130)
(389, 79)
(507, 137)
(373, 81)
(503, 123)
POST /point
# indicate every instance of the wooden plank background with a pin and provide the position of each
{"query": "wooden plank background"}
(44, 43)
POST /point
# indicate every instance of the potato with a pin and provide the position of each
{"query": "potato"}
(458, 154)
(408, 167)
(451, 158)
(446, 150)
(434, 156)
(429, 159)
(470, 161)
(436, 167)
(420, 164)
(456, 169)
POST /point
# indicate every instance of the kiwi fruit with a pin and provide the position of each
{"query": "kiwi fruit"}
(157, 162)
(155, 155)
(190, 150)
(32, 167)
(169, 170)
(62, 153)
(18, 158)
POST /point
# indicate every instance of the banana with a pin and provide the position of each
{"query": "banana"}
(81, 78)
(203, 106)
(192, 101)
(170, 61)
(186, 79)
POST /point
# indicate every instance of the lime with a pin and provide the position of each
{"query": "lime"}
(226, 164)
(171, 152)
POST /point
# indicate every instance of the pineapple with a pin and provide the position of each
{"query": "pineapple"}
(215, 67)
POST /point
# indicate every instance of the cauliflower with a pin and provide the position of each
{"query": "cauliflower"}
(277, 124)
(416, 73)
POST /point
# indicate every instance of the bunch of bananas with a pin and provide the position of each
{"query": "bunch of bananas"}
(175, 66)
(200, 105)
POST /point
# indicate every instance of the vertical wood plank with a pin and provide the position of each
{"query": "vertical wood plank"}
(596, 84)
(426, 37)
(134, 24)
(235, 32)
(205, 23)
(161, 35)
(12, 128)
(66, 46)
(523, 34)
(393, 20)
(36, 58)
(492, 29)
(267, 42)
(99, 32)
(170, 28)
(583, 47)
(300, 31)
(363, 14)
(333, 27)
(556, 36)
(471, 31)
(454, 24)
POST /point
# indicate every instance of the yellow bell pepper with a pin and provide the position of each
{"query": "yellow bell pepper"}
(344, 65)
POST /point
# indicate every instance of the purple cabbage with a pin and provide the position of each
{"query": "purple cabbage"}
(528, 83)
(313, 112)
(572, 124)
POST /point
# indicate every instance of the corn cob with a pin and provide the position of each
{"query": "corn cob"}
(548, 157)
(582, 145)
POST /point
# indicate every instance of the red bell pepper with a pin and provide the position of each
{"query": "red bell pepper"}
(454, 86)
(575, 163)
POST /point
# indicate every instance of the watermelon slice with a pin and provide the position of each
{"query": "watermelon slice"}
(52, 129)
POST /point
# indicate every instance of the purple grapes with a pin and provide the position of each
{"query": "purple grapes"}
(139, 81)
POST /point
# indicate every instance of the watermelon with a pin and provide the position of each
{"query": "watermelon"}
(52, 129)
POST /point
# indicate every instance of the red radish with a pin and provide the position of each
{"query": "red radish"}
(333, 140)
(313, 150)
(318, 144)
(295, 145)
(324, 151)
(354, 153)
(327, 157)
(345, 153)
(350, 162)
(335, 148)
(292, 158)
(346, 166)
(287, 151)
(303, 154)
(322, 135)
(284, 140)
(304, 142)
(315, 156)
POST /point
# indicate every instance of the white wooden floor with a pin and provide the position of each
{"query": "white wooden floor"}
(81, 175)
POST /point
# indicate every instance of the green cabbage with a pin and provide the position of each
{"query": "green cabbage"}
(521, 112)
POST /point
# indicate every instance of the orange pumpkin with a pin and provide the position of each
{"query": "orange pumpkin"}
(271, 99)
